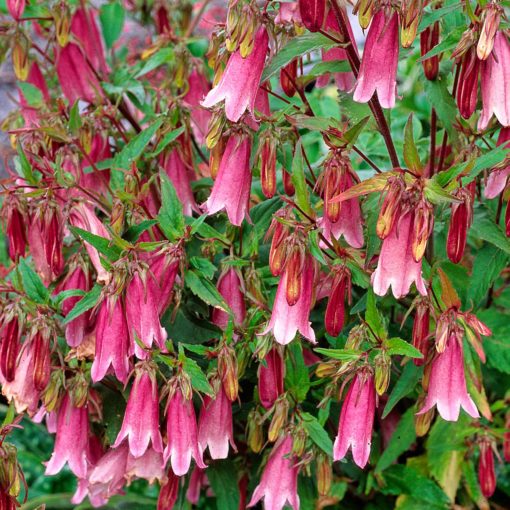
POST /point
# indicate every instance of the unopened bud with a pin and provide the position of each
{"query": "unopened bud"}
(10, 480)
(429, 39)
(334, 317)
(267, 159)
(117, 216)
(326, 369)
(421, 331)
(279, 420)
(411, 15)
(62, 17)
(9, 348)
(356, 337)
(288, 78)
(41, 359)
(491, 19)
(422, 228)
(277, 251)
(215, 156)
(486, 471)
(51, 396)
(391, 206)
(365, 10)
(382, 372)
(227, 369)
(215, 129)
(312, 14)
(294, 271)
(255, 432)
(422, 421)
(299, 441)
(79, 390)
(288, 186)
(324, 474)
(20, 60)
(247, 39)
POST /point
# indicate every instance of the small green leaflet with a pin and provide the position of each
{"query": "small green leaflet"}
(204, 266)
(205, 290)
(317, 433)
(101, 244)
(32, 284)
(198, 379)
(405, 385)
(373, 317)
(411, 156)
(88, 302)
(297, 380)
(112, 20)
(171, 217)
(339, 354)
(75, 119)
(299, 181)
(33, 96)
(485, 228)
(397, 346)
(167, 140)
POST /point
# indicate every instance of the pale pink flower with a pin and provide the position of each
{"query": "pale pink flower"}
(278, 485)
(497, 179)
(231, 189)
(495, 83)
(240, 81)
(198, 88)
(271, 378)
(141, 419)
(378, 70)
(197, 480)
(230, 287)
(397, 267)
(71, 441)
(356, 420)
(447, 383)
(149, 466)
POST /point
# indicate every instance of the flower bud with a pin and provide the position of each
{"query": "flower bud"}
(312, 14)
(391, 206)
(41, 359)
(20, 60)
(486, 471)
(51, 395)
(411, 15)
(79, 390)
(9, 348)
(421, 330)
(460, 221)
(356, 337)
(365, 10)
(62, 17)
(288, 186)
(288, 78)
(324, 474)
(117, 216)
(299, 441)
(16, 8)
(382, 372)
(10, 479)
(491, 19)
(506, 438)
(215, 129)
(334, 318)
(467, 88)
(215, 156)
(429, 39)
(227, 369)
(326, 369)
(267, 157)
(422, 421)
(294, 269)
(281, 411)
(422, 228)
(247, 39)
(277, 252)
(255, 432)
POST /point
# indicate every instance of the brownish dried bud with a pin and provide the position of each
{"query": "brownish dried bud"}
(365, 10)
(117, 216)
(62, 18)
(279, 420)
(391, 206)
(227, 369)
(215, 130)
(491, 19)
(20, 60)
(288, 78)
(255, 432)
(382, 372)
(79, 390)
(411, 15)
(41, 357)
(423, 421)
(324, 474)
(422, 228)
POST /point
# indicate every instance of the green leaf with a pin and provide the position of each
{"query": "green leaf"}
(111, 17)
(438, 95)
(402, 438)
(497, 346)
(198, 379)
(436, 194)
(485, 228)
(74, 118)
(101, 244)
(403, 387)
(171, 217)
(33, 96)
(397, 346)
(199, 226)
(373, 317)
(66, 294)
(297, 380)
(32, 284)
(411, 156)
(222, 475)
(317, 433)
(296, 47)
(432, 14)
(88, 302)
(349, 137)
(448, 43)
(167, 140)
(332, 66)
(135, 231)
(23, 166)
(205, 290)
(262, 214)
(299, 181)
(339, 354)
(161, 57)
(204, 266)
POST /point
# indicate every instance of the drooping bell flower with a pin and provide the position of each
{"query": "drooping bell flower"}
(40, 339)
(288, 78)
(141, 420)
(230, 286)
(491, 19)
(495, 83)
(197, 480)
(497, 179)
(71, 441)
(149, 466)
(16, 8)
(215, 429)
(460, 221)
(421, 329)
(312, 13)
(278, 485)
(334, 317)
(198, 87)
(85, 30)
(270, 376)
(467, 87)
(429, 39)
(267, 163)
(169, 492)
(486, 471)
(378, 70)
(447, 382)
(76, 279)
(111, 340)
(83, 216)
(182, 434)
(15, 217)
(76, 77)
(288, 12)
(228, 371)
(142, 314)
(240, 81)
(10, 336)
(356, 420)
(344, 80)
(396, 267)
(287, 320)
(231, 189)
(181, 178)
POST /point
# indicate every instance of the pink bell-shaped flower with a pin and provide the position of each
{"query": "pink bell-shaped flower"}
(271, 378)
(497, 179)
(230, 287)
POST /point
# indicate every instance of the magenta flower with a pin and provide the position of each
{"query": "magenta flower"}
(278, 485)
(286, 320)
(198, 88)
(142, 313)
(447, 384)
(497, 179)
(356, 420)
(111, 341)
(141, 419)
(378, 70)
(349, 225)
(149, 466)
(495, 83)
(182, 436)
(215, 425)
(231, 189)
(239, 83)
(271, 378)
(230, 287)
(397, 267)
(16, 8)
(72, 439)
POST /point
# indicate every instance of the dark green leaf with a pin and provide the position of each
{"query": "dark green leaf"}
(373, 317)
(198, 379)
(485, 228)
(88, 302)
(101, 244)
(297, 380)
(167, 140)
(299, 181)
(205, 290)
(204, 266)
(171, 217)
(404, 386)
(32, 284)
(135, 231)
(411, 156)
(497, 346)
(222, 475)
(335, 66)
(397, 346)
(161, 57)
(75, 119)
(438, 95)
(112, 20)
(317, 433)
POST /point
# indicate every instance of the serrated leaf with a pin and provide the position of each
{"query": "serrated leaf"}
(32, 283)
(199, 226)
(299, 181)
(371, 185)
(397, 346)
(167, 140)
(135, 231)
(297, 380)
(349, 137)
(437, 195)
(485, 228)
(161, 57)
(222, 475)
(171, 217)
(203, 266)
(111, 17)
(198, 379)
(101, 244)
(411, 156)
(403, 387)
(373, 317)
(317, 433)
(206, 291)
(75, 119)
(86, 303)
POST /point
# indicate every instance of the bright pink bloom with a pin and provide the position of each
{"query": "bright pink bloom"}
(197, 480)
(181, 177)
(230, 287)
(215, 425)
(231, 189)
(497, 179)
(312, 13)
(71, 441)
(16, 8)
(356, 421)
(76, 77)
(278, 485)
(447, 384)
(142, 313)
(286, 320)
(349, 225)
(378, 70)
(397, 267)
(111, 341)
(141, 420)
(198, 88)
(149, 466)
(271, 378)
(240, 81)
(495, 83)
(181, 427)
